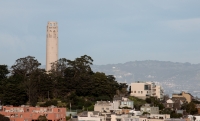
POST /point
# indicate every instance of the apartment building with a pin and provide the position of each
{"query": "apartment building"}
(183, 95)
(26, 113)
(144, 90)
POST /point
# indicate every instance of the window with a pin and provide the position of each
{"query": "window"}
(146, 87)
(27, 110)
(141, 92)
(138, 91)
(58, 110)
(134, 91)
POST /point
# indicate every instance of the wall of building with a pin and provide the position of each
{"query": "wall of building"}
(102, 106)
(128, 104)
(51, 44)
(32, 113)
(187, 96)
(138, 90)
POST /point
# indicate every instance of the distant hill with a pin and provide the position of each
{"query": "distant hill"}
(172, 76)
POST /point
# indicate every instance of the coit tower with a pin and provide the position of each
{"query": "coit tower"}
(51, 44)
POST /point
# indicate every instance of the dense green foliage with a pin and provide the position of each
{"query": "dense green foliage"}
(42, 118)
(137, 102)
(155, 102)
(72, 82)
(190, 108)
(3, 118)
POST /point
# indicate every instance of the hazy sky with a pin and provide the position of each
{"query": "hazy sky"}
(110, 31)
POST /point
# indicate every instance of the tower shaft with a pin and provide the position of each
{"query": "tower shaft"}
(51, 44)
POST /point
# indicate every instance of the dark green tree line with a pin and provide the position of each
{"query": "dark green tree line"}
(68, 80)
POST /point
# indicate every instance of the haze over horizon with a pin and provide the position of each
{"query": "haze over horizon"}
(110, 32)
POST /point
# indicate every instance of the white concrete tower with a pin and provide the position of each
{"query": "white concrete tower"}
(51, 44)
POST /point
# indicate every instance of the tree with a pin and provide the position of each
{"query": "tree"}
(191, 108)
(26, 69)
(3, 118)
(3, 78)
(42, 118)
(3, 72)
(173, 114)
(58, 67)
(45, 87)
(80, 65)
(13, 93)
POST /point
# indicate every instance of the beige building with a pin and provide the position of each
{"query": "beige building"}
(187, 96)
(156, 90)
(148, 109)
(51, 44)
(146, 89)
(103, 106)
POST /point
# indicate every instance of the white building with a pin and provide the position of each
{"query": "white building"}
(160, 116)
(51, 44)
(126, 103)
(124, 117)
(90, 116)
(146, 89)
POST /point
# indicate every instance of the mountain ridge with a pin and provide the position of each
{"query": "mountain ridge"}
(172, 76)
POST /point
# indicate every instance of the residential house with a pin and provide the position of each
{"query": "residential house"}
(103, 106)
(123, 106)
(173, 104)
(148, 109)
(124, 117)
(90, 116)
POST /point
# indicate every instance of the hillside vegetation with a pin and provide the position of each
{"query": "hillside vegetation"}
(71, 81)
